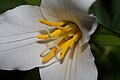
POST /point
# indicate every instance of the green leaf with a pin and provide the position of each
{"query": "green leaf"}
(5, 4)
(106, 40)
(99, 9)
(102, 30)
(107, 13)
(115, 12)
(34, 2)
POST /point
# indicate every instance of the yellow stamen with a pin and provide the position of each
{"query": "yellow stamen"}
(57, 25)
(52, 53)
(74, 39)
(64, 47)
(70, 43)
(53, 34)
(64, 28)
(65, 35)
(51, 23)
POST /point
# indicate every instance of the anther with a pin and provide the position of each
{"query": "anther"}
(51, 23)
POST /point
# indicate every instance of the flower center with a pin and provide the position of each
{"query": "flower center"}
(63, 37)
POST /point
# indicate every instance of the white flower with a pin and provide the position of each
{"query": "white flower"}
(58, 44)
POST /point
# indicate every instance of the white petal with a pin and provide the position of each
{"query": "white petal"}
(53, 9)
(83, 4)
(87, 32)
(61, 9)
(85, 66)
(20, 20)
(18, 46)
(80, 67)
(21, 56)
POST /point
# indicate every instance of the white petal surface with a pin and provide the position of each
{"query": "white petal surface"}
(20, 20)
(80, 67)
(18, 46)
(61, 9)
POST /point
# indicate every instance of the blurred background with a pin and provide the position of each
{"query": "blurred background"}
(105, 42)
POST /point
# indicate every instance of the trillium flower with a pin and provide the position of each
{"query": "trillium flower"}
(53, 37)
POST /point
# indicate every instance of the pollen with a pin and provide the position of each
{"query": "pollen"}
(66, 35)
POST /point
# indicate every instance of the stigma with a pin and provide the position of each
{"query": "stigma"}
(65, 36)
